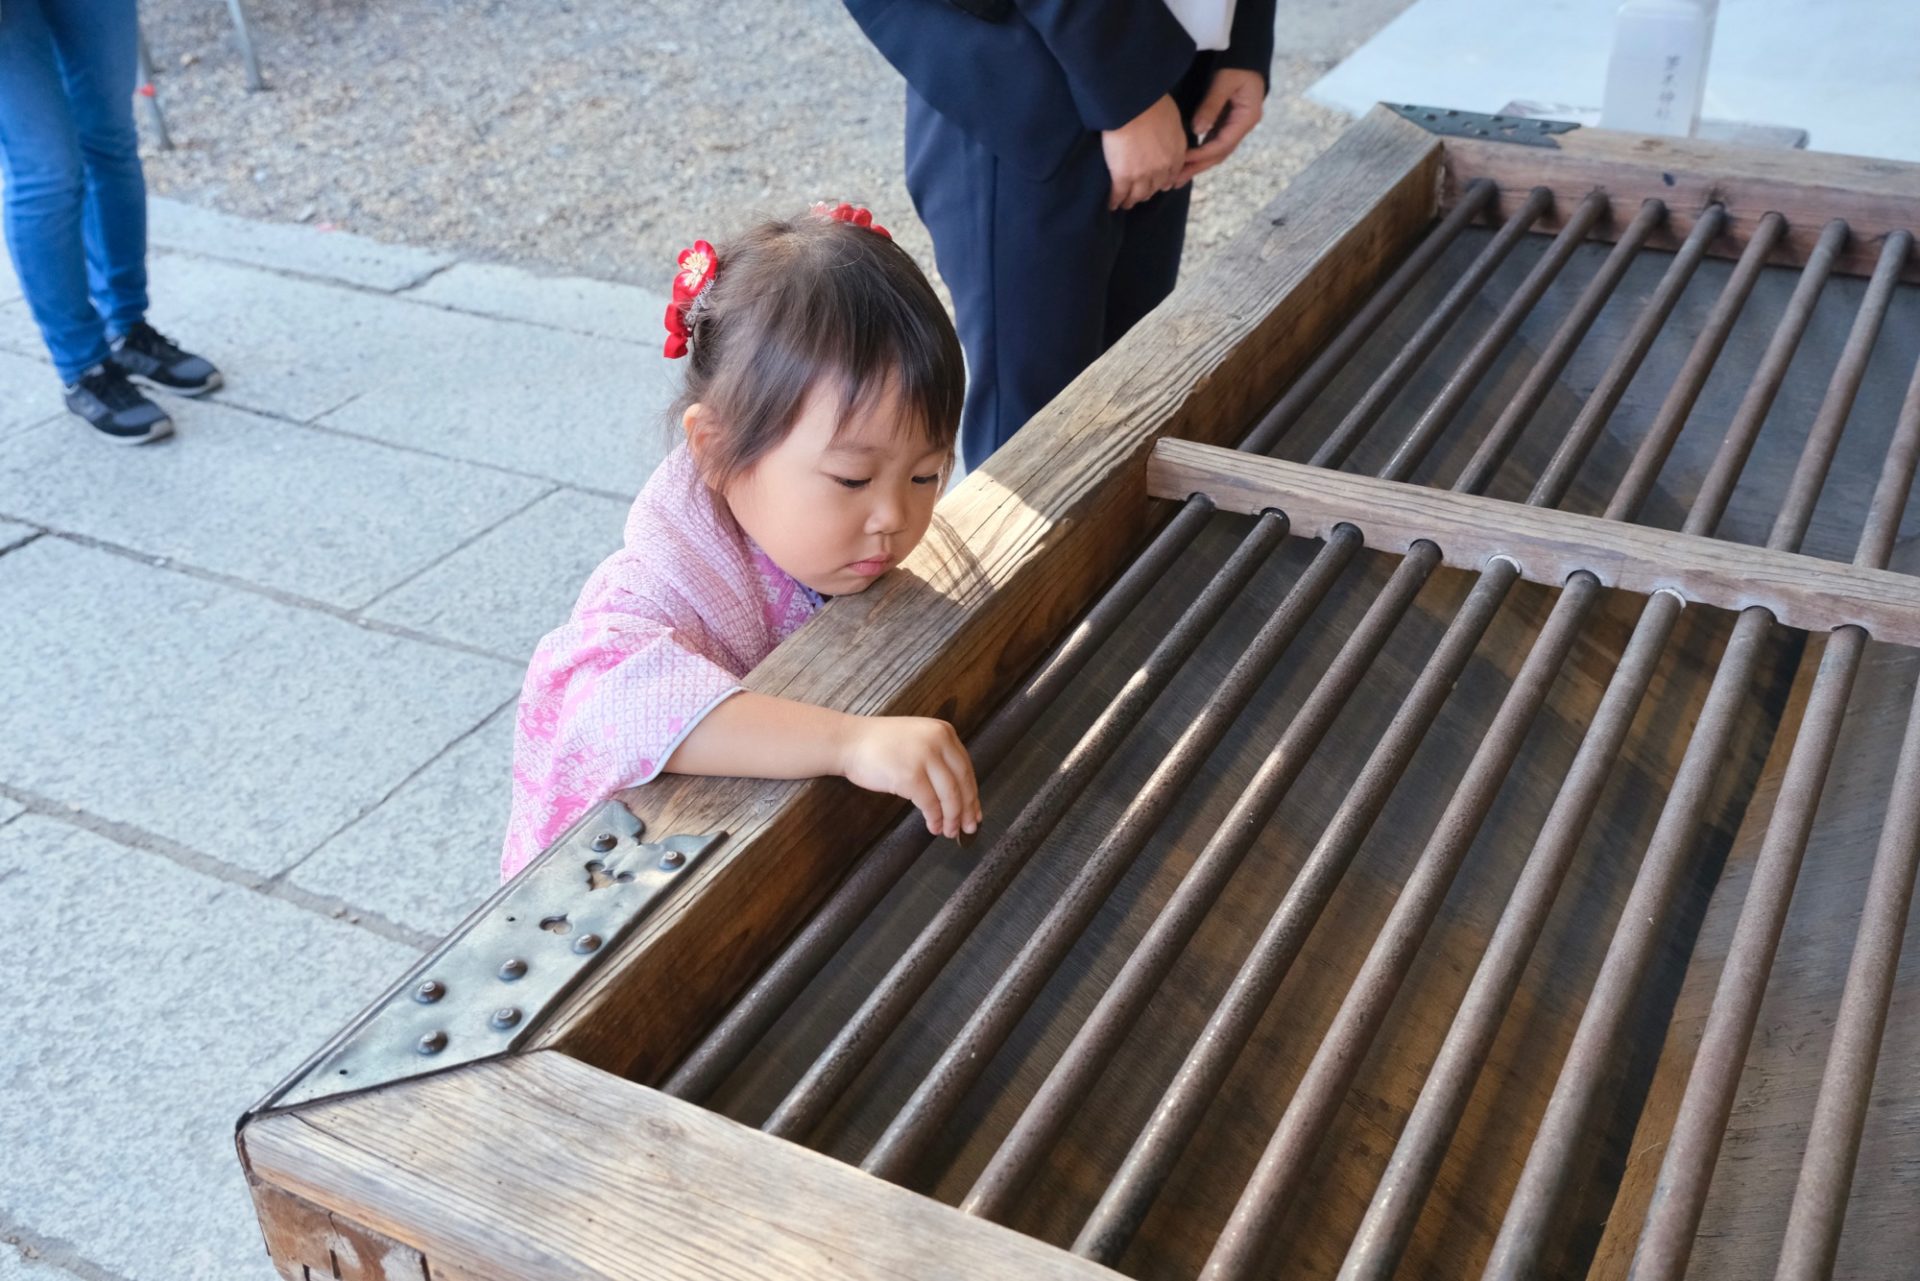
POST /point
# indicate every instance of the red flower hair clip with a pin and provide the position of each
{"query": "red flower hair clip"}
(858, 215)
(698, 266)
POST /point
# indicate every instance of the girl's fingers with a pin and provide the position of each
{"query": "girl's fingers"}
(919, 790)
(948, 787)
(962, 766)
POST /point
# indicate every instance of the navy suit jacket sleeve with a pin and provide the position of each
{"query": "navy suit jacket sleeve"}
(1250, 44)
(1119, 56)
(1032, 87)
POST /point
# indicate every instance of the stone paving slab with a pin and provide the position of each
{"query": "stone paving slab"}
(290, 347)
(430, 853)
(9, 283)
(304, 511)
(131, 1153)
(209, 715)
(15, 1267)
(29, 390)
(294, 247)
(13, 533)
(10, 810)
(586, 411)
(600, 308)
(514, 584)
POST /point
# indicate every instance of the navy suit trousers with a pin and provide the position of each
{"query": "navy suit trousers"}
(1043, 277)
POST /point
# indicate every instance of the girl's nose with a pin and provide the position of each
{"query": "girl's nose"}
(889, 514)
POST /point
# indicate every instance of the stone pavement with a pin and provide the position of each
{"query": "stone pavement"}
(256, 685)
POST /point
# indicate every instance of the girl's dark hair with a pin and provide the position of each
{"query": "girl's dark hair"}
(802, 299)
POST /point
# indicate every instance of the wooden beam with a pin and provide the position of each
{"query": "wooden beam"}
(1017, 551)
(307, 1242)
(1548, 545)
(539, 1166)
(1806, 188)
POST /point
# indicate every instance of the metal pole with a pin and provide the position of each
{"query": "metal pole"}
(1540, 379)
(254, 81)
(1287, 410)
(1686, 1172)
(1548, 1171)
(1395, 1208)
(855, 1043)
(961, 1063)
(1093, 1045)
(1316, 1101)
(1360, 419)
(722, 1050)
(1557, 477)
(1128, 1197)
(161, 137)
(1086, 1057)
(1840, 1112)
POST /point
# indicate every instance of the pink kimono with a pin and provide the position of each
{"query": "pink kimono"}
(662, 633)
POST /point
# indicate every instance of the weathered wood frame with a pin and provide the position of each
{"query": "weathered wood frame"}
(506, 1167)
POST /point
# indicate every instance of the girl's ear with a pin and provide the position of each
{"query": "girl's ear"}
(700, 427)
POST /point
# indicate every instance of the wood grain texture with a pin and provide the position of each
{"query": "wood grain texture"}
(539, 1166)
(1807, 188)
(1548, 545)
(307, 1242)
(1016, 552)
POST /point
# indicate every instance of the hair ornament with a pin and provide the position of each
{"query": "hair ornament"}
(698, 266)
(858, 215)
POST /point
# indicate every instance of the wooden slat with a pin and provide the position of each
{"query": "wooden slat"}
(1548, 545)
(1016, 552)
(539, 1166)
(1806, 188)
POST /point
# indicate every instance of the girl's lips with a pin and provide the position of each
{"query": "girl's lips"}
(872, 568)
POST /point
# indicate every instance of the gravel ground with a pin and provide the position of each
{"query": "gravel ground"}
(600, 136)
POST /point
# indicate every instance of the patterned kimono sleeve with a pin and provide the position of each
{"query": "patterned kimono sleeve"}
(607, 699)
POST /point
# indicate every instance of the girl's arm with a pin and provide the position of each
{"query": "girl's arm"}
(759, 736)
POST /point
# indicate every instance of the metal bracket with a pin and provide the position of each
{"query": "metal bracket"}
(483, 991)
(1448, 123)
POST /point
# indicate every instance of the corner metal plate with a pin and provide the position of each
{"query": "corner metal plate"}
(1448, 123)
(485, 989)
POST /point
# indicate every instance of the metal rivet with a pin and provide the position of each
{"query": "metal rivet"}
(430, 991)
(514, 969)
(587, 943)
(433, 1042)
(672, 859)
(505, 1017)
(605, 841)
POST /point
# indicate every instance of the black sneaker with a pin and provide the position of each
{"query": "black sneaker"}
(117, 410)
(145, 353)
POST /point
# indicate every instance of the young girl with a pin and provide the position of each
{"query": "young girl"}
(821, 403)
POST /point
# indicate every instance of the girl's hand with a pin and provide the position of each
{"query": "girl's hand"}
(920, 759)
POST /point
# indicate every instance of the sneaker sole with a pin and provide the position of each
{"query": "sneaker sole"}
(212, 384)
(159, 431)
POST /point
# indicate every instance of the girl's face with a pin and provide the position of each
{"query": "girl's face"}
(837, 504)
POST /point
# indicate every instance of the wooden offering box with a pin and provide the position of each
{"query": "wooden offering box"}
(1444, 692)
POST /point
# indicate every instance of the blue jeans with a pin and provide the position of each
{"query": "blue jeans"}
(76, 203)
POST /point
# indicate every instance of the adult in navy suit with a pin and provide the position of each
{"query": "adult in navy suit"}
(1050, 144)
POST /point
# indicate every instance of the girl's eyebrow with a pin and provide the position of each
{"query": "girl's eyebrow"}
(868, 451)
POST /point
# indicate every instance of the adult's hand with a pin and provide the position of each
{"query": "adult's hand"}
(1224, 118)
(1145, 154)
